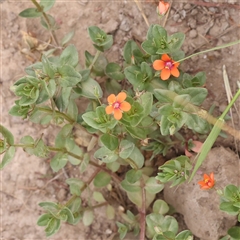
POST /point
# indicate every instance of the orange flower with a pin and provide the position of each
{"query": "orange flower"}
(167, 67)
(163, 7)
(208, 181)
(117, 105)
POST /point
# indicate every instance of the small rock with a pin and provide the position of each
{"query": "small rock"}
(61, 195)
(213, 9)
(222, 107)
(15, 28)
(194, 12)
(12, 16)
(193, 33)
(110, 26)
(125, 25)
(201, 208)
(176, 17)
(187, 6)
(226, 38)
(183, 14)
(192, 22)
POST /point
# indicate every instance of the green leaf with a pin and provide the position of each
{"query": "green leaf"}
(109, 141)
(66, 215)
(160, 206)
(122, 230)
(97, 196)
(138, 133)
(62, 135)
(48, 67)
(67, 38)
(207, 145)
(91, 89)
(85, 162)
(51, 24)
(197, 95)
(175, 41)
(75, 150)
(125, 148)
(99, 65)
(47, 5)
(30, 13)
(229, 208)
(62, 99)
(105, 155)
(100, 38)
(69, 77)
(128, 49)
(230, 191)
(153, 186)
(129, 187)
(133, 175)
(72, 110)
(113, 70)
(88, 217)
(69, 56)
(44, 219)
(59, 161)
(137, 158)
(50, 207)
(110, 212)
(164, 96)
(146, 101)
(75, 205)
(52, 227)
(234, 232)
(75, 185)
(102, 179)
(8, 156)
(7, 135)
(41, 150)
(184, 235)
(113, 166)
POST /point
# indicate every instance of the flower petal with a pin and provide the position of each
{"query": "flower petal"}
(109, 109)
(117, 114)
(205, 176)
(163, 7)
(158, 64)
(174, 71)
(125, 106)
(212, 176)
(111, 99)
(121, 97)
(165, 58)
(165, 74)
(176, 64)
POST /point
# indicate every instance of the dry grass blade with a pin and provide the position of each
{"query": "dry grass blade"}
(141, 11)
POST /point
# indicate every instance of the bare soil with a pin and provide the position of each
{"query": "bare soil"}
(28, 180)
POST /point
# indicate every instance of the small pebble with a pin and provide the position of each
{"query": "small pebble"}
(187, 6)
(176, 17)
(194, 11)
(193, 33)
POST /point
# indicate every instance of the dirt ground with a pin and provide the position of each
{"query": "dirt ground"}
(28, 180)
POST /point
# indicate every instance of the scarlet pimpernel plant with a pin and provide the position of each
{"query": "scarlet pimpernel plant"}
(130, 118)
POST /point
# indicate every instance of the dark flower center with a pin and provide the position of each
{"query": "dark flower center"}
(169, 65)
(116, 105)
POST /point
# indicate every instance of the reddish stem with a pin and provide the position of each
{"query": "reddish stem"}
(142, 212)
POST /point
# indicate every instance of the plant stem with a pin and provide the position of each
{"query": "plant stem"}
(234, 99)
(52, 32)
(83, 188)
(94, 60)
(141, 11)
(209, 50)
(113, 175)
(142, 211)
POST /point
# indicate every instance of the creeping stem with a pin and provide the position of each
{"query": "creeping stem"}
(52, 32)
